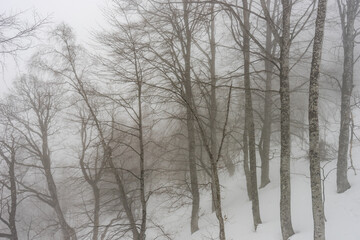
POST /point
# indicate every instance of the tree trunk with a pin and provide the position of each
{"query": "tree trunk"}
(246, 162)
(217, 196)
(229, 164)
(190, 124)
(314, 153)
(250, 128)
(68, 232)
(142, 163)
(193, 171)
(348, 33)
(213, 103)
(266, 131)
(122, 194)
(285, 193)
(13, 206)
(96, 192)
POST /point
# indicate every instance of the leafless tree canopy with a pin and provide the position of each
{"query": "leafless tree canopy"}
(111, 139)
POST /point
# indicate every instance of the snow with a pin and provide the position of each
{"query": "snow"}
(342, 210)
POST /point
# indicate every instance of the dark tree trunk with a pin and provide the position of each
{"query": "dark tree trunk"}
(190, 123)
(266, 131)
(347, 15)
(246, 162)
(217, 198)
(285, 193)
(213, 103)
(229, 163)
(96, 192)
(142, 162)
(91, 181)
(123, 197)
(11, 209)
(13, 206)
(68, 232)
(250, 128)
(192, 168)
(314, 151)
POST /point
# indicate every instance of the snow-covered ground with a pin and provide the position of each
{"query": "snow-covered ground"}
(342, 210)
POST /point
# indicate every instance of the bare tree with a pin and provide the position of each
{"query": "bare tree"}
(16, 35)
(78, 75)
(213, 101)
(314, 152)
(285, 38)
(178, 22)
(348, 11)
(124, 44)
(265, 140)
(92, 169)
(34, 122)
(190, 117)
(285, 195)
(8, 152)
(249, 119)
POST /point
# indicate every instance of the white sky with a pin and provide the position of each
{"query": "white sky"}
(83, 15)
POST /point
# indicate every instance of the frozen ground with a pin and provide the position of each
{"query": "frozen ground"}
(342, 210)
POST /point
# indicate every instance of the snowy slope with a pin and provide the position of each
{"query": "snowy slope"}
(342, 210)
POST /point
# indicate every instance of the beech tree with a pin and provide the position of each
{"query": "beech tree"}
(9, 147)
(249, 119)
(314, 152)
(34, 122)
(124, 45)
(285, 195)
(265, 139)
(92, 167)
(78, 75)
(285, 38)
(176, 24)
(348, 11)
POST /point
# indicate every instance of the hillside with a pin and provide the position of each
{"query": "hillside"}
(342, 210)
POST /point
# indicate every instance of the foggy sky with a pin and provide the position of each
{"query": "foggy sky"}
(82, 15)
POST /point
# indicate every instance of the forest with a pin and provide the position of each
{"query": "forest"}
(187, 119)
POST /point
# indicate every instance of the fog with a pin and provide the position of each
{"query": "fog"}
(146, 119)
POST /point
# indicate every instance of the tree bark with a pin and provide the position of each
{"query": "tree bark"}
(190, 123)
(213, 102)
(10, 161)
(250, 118)
(246, 162)
(125, 202)
(142, 160)
(314, 151)
(68, 232)
(5, 235)
(348, 35)
(285, 192)
(192, 168)
(216, 191)
(13, 206)
(92, 181)
(266, 131)
(217, 200)
(96, 192)
(41, 102)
